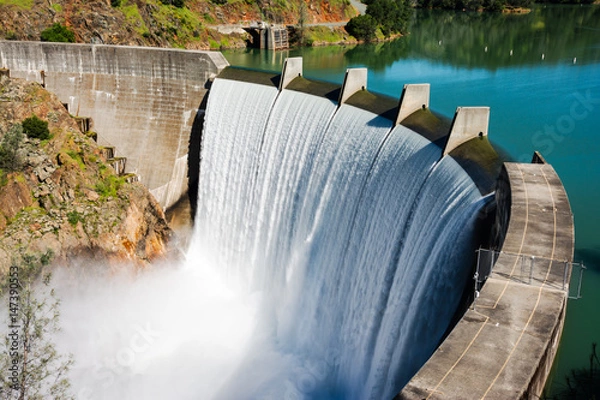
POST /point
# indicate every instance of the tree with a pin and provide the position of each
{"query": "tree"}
(302, 19)
(391, 15)
(582, 383)
(176, 3)
(36, 128)
(9, 147)
(57, 33)
(362, 27)
(32, 367)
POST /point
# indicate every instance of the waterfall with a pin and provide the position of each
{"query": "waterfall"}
(357, 236)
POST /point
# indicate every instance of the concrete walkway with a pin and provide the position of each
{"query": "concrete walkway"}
(360, 7)
(504, 347)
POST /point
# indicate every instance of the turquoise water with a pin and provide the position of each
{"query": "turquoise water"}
(539, 73)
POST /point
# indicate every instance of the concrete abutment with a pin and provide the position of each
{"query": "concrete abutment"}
(143, 101)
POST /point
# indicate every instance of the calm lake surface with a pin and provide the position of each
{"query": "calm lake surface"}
(539, 73)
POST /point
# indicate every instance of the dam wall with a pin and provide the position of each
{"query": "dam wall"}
(504, 346)
(143, 101)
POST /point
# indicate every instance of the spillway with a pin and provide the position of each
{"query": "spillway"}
(358, 234)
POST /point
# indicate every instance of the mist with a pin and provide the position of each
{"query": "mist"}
(168, 332)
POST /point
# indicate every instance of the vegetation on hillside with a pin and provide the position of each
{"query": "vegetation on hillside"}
(36, 128)
(60, 193)
(160, 23)
(10, 159)
(389, 17)
(57, 33)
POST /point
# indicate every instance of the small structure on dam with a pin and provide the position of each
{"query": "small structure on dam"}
(148, 104)
(268, 36)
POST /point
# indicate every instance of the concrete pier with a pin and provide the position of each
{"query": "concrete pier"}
(292, 68)
(468, 123)
(354, 81)
(414, 97)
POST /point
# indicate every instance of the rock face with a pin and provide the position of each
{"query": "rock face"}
(65, 200)
(142, 23)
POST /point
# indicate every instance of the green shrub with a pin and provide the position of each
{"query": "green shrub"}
(73, 217)
(109, 186)
(47, 257)
(36, 128)
(3, 178)
(9, 156)
(57, 33)
(77, 157)
(176, 3)
(115, 3)
(391, 16)
(362, 27)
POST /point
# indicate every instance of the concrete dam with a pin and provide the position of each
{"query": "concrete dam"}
(356, 217)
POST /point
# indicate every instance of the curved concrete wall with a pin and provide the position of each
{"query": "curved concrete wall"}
(504, 346)
(142, 101)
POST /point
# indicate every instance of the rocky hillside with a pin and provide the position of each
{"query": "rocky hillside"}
(152, 23)
(59, 198)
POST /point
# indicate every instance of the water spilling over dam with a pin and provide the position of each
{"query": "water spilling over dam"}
(356, 231)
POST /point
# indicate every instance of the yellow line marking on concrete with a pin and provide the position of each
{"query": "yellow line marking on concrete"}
(539, 297)
(434, 390)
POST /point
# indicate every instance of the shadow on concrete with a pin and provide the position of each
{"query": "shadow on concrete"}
(330, 91)
(250, 76)
(194, 150)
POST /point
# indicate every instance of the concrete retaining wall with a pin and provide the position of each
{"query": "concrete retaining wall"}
(143, 101)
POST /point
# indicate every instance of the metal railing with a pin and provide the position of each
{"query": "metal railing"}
(531, 270)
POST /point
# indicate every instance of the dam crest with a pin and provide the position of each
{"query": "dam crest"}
(146, 102)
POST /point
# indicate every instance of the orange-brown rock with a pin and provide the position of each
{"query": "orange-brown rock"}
(66, 201)
(14, 197)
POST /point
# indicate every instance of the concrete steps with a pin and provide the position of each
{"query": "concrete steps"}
(118, 164)
(107, 153)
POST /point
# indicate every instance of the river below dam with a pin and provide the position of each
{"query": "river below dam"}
(539, 73)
